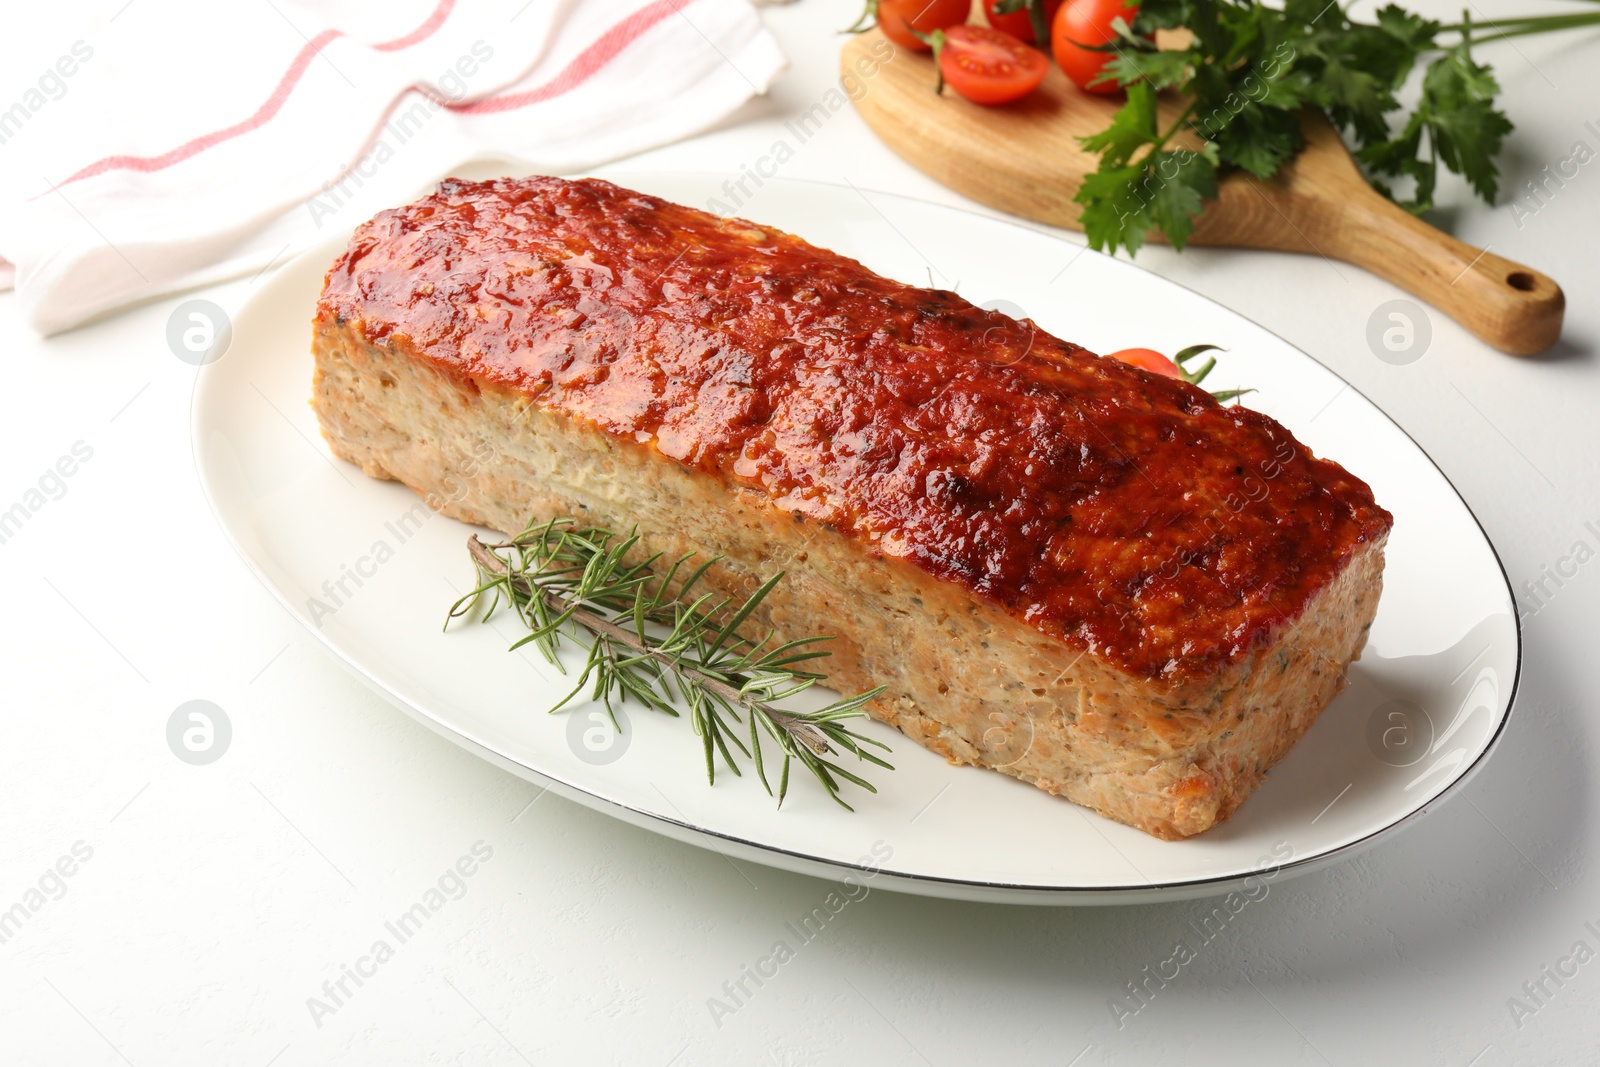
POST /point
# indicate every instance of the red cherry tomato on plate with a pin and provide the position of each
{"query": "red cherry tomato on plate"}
(1019, 23)
(1147, 359)
(989, 67)
(902, 20)
(1087, 22)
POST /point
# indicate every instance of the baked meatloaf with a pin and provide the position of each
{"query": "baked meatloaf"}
(1092, 578)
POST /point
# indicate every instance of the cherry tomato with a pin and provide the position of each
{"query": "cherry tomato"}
(1087, 22)
(1019, 23)
(989, 67)
(898, 18)
(1147, 359)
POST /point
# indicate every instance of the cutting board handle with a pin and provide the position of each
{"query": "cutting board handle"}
(1514, 308)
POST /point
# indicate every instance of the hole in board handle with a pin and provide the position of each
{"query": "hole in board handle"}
(1521, 281)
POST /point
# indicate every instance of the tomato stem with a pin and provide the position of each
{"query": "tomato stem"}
(1195, 377)
(935, 41)
(1041, 25)
(866, 20)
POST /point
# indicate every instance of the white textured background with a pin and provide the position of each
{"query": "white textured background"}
(217, 899)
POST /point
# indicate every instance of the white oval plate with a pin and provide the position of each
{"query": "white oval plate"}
(371, 572)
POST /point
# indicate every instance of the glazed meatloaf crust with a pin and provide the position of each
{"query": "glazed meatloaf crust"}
(1092, 578)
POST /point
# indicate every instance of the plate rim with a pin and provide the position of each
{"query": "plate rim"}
(969, 889)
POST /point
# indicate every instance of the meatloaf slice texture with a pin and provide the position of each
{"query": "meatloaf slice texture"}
(1089, 577)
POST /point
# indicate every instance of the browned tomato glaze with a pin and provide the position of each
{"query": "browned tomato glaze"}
(1129, 514)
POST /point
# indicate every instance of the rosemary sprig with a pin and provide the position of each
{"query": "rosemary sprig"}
(657, 639)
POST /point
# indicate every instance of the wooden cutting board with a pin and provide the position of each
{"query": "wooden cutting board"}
(1024, 159)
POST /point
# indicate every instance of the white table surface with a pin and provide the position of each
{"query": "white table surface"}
(217, 899)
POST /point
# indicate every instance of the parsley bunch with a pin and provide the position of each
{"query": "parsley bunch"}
(1248, 72)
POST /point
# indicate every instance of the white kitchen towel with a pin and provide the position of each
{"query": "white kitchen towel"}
(195, 141)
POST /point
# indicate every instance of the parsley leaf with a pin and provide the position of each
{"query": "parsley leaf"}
(1163, 191)
(1132, 127)
(1458, 101)
(1260, 139)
